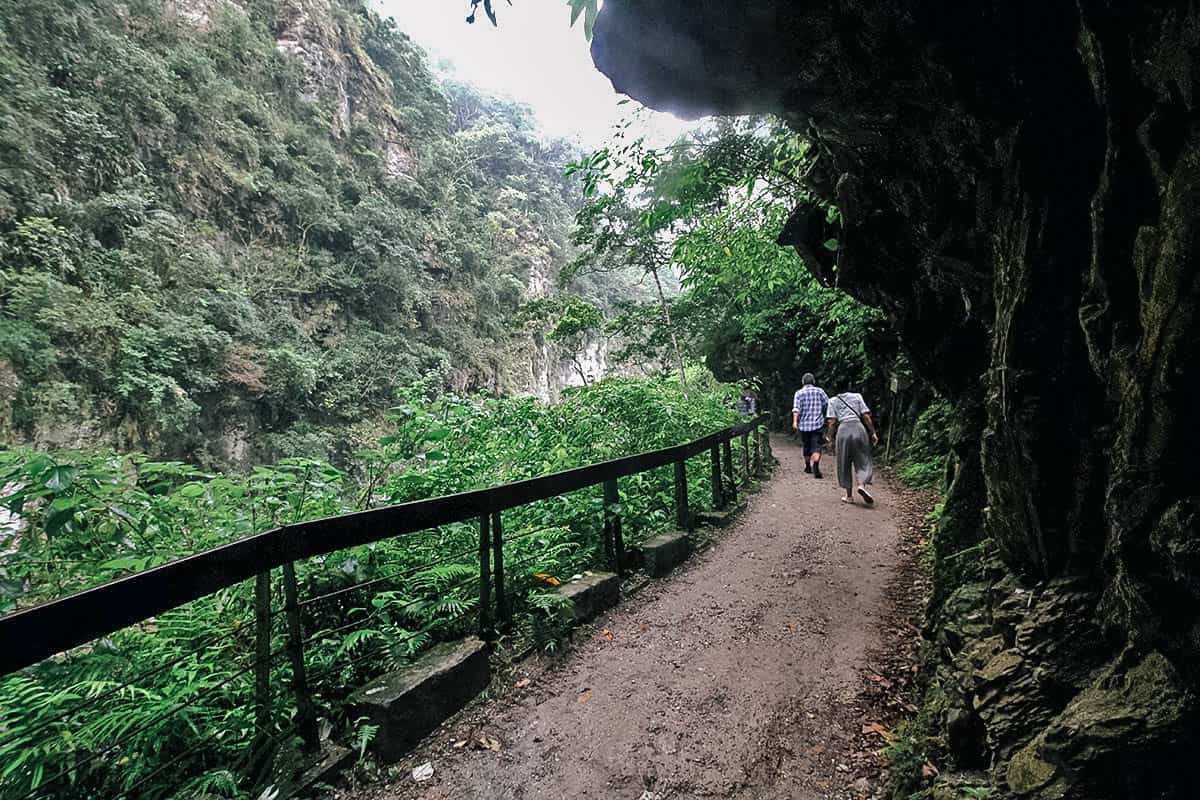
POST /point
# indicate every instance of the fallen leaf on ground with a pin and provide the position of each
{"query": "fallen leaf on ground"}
(607, 634)
(585, 695)
(929, 770)
(461, 743)
(485, 742)
(543, 576)
(791, 626)
(643, 627)
(422, 773)
(521, 684)
(883, 732)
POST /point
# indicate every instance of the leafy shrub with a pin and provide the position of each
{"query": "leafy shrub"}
(164, 707)
(922, 464)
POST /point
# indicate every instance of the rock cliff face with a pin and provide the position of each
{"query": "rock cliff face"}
(1019, 184)
(231, 229)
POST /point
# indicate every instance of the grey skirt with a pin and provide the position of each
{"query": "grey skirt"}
(853, 454)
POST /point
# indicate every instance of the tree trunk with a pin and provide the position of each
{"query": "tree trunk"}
(666, 312)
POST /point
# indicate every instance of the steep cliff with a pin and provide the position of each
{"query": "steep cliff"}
(230, 228)
(1018, 184)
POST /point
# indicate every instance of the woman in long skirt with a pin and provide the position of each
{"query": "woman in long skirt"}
(852, 447)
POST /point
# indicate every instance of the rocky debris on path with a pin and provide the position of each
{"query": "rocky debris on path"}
(887, 696)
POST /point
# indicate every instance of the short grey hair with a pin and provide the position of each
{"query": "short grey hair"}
(809, 379)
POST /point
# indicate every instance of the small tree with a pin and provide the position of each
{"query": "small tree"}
(568, 321)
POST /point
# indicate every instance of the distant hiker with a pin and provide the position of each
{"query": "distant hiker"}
(851, 448)
(748, 405)
(808, 417)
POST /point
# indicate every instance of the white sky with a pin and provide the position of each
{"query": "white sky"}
(535, 57)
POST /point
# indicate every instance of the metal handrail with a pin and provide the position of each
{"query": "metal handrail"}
(39, 632)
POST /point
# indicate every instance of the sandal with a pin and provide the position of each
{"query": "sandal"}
(866, 496)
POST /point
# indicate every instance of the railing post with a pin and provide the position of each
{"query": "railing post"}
(717, 495)
(262, 672)
(758, 459)
(768, 457)
(485, 578)
(727, 451)
(306, 715)
(612, 524)
(683, 515)
(503, 609)
(746, 457)
(610, 548)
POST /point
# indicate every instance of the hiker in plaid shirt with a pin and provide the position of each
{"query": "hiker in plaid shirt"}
(808, 419)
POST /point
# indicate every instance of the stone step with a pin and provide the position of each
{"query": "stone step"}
(592, 594)
(662, 553)
(409, 703)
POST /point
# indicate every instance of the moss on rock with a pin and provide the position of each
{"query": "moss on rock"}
(1119, 732)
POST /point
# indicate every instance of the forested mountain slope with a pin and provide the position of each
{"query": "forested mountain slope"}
(229, 229)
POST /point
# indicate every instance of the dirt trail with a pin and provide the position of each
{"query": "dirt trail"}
(738, 676)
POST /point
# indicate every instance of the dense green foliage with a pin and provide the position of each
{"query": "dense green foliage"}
(178, 690)
(708, 211)
(923, 461)
(229, 232)
(251, 232)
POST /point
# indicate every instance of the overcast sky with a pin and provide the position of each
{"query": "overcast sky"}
(534, 56)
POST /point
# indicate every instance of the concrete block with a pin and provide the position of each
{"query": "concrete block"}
(330, 762)
(661, 553)
(409, 703)
(719, 518)
(592, 594)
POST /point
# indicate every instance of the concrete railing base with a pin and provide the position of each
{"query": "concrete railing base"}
(408, 704)
(660, 554)
(592, 594)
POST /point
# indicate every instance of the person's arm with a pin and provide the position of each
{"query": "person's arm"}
(796, 411)
(870, 423)
(830, 423)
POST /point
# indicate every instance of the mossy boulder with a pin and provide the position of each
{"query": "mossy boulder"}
(1129, 729)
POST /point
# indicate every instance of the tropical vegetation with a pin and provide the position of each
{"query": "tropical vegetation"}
(257, 233)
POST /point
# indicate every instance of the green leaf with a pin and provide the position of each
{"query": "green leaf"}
(589, 18)
(128, 562)
(437, 434)
(60, 514)
(577, 7)
(60, 478)
(191, 490)
(831, 245)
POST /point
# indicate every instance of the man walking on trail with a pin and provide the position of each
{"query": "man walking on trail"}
(808, 420)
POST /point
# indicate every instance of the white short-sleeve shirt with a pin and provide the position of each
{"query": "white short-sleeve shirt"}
(846, 407)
